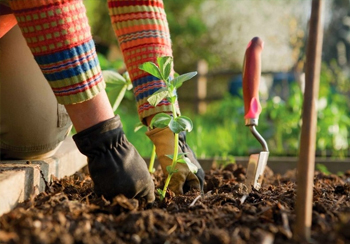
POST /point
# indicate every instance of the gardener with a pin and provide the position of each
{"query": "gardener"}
(33, 124)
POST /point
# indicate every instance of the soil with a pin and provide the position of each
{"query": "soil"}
(70, 212)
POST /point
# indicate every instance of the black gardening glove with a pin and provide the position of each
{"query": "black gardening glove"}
(114, 164)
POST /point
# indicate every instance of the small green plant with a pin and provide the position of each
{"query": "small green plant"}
(177, 124)
(151, 168)
(116, 86)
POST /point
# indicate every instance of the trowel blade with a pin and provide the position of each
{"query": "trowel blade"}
(255, 170)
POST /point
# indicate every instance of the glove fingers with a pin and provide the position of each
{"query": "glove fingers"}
(148, 193)
(192, 182)
(200, 176)
(176, 183)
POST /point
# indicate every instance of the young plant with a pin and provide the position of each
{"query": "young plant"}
(116, 86)
(177, 124)
(151, 168)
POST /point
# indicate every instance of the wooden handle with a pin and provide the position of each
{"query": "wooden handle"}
(251, 78)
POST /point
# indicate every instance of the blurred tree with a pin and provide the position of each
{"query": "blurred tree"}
(101, 27)
(188, 33)
(336, 44)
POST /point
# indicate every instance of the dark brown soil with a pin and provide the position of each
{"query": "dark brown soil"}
(69, 212)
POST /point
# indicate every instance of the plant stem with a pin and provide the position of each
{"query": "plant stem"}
(166, 184)
(173, 107)
(176, 142)
(176, 151)
(151, 162)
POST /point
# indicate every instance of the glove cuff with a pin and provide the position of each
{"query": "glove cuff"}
(99, 136)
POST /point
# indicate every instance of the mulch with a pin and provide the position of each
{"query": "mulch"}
(70, 212)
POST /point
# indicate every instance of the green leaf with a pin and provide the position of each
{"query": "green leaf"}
(179, 155)
(172, 99)
(115, 97)
(177, 82)
(128, 80)
(138, 126)
(116, 86)
(181, 161)
(193, 168)
(176, 127)
(161, 120)
(152, 69)
(113, 79)
(170, 170)
(158, 96)
(185, 122)
(165, 64)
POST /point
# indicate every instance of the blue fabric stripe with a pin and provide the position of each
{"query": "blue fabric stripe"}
(56, 57)
(81, 86)
(143, 81)
(67, 54)
(69, 63)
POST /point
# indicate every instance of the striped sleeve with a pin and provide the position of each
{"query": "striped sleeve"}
(58, 34)
(142, 31)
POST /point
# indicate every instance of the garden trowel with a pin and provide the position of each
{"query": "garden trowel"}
(252, 109)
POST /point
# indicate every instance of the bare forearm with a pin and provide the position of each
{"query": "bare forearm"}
(91, 112)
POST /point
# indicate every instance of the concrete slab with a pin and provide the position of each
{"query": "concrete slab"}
(19, 179)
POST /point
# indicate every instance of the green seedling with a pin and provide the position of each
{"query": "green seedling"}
(116, 86)
(177, 124)
(151, 168)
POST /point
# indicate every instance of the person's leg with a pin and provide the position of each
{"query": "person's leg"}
(32, 124)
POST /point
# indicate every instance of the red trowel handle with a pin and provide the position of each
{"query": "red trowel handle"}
(251, 80)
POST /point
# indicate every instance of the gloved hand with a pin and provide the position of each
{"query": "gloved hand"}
(183, 180)
(114, 164)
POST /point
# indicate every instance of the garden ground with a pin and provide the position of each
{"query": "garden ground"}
(69, 212)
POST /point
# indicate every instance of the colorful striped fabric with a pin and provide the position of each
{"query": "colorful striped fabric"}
(58, 34)
(143, 34)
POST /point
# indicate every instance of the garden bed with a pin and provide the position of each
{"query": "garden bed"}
(69, 212)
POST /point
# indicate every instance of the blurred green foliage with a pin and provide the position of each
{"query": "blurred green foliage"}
(221, 131)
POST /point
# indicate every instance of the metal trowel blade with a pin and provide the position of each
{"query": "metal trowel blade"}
(255, 170)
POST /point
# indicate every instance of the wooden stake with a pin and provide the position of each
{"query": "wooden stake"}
(306, 163)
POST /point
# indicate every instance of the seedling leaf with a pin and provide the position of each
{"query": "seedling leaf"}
(158, 96)
(165, 64)
(175, 126)
(185, 122)
(116, 87)
(152, 69)
(172, 99)
(161, 120)
(181, 161)
(177, 82)
(171, 170)
(179, 155)
(128, 80)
